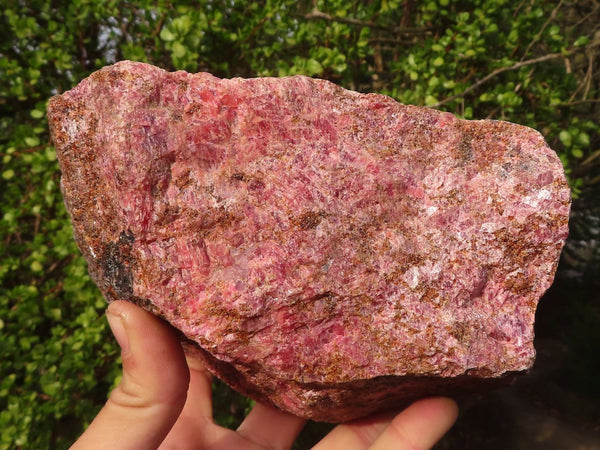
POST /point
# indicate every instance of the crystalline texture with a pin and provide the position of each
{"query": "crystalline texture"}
(329, 252)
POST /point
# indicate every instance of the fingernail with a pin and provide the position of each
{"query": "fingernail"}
(117, 326)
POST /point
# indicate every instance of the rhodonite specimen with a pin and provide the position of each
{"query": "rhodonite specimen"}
(328, 252)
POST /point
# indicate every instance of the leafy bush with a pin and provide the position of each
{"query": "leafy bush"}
(527, 62)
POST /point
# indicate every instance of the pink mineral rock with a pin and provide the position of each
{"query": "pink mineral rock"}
(328, 252)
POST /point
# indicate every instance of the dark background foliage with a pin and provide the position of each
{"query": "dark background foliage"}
(528, 61)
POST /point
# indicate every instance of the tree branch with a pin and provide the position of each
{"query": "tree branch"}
(515, 66)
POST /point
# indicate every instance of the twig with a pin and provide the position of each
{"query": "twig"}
(159, 25)
(591, 158)
(580, 102)
(594, 181)
(518, 8)
(384, 40)
(315, 14)
(586, 17)
(25, 150)
(539, 34)
(587, 79)
(589, 74)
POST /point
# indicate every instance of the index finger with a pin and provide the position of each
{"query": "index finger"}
(419, 426)
(270, 427)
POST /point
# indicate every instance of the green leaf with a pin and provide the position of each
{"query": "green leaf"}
(166, 35)
(463, 17)
(566, 138)
(179, 50)
(37, 114)
(430, 100)
(313, 67)
(182, 24)
(438, 62)
(32, 141)
(554, 30)
(583, 139)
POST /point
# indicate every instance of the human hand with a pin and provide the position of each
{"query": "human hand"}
(164, 401)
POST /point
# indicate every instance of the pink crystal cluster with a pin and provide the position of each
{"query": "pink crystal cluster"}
(329, 252)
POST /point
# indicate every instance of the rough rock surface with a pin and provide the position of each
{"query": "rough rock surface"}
(329, 252)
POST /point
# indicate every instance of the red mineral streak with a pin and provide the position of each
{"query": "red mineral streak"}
(329, 252)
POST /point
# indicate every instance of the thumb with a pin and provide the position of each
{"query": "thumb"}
(144, 406)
